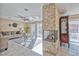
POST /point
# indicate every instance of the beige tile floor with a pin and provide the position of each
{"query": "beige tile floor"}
(15, 49)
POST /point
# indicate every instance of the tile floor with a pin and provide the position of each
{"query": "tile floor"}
(15, 49)
(74, 49)
(37, 47)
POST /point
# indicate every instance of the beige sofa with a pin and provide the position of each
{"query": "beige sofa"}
(4, 43)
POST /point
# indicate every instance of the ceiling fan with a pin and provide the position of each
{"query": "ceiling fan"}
(22, 17)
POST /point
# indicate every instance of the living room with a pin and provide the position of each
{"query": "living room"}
(38, 29)
(20, 24)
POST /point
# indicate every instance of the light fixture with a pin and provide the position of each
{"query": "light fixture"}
(26, 9)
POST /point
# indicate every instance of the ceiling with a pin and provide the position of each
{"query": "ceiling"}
(24, 9)
(35, 9)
